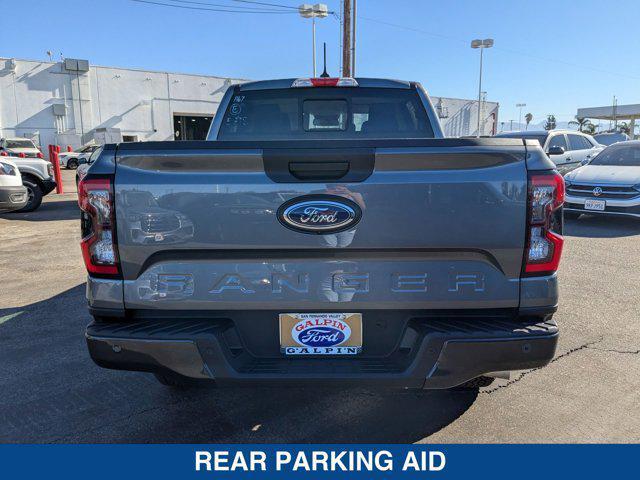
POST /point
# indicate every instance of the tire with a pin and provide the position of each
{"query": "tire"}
(571, 215)
(35, 195)
(172, 381)
(72, 164)
(475, 383)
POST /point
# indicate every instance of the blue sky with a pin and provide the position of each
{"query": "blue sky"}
(555, 56)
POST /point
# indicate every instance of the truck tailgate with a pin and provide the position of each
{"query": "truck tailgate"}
(442, 227)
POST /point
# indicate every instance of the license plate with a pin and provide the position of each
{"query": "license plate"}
(595, 205)
(320, 333)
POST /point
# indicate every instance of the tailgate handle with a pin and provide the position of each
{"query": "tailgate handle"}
(318, 170)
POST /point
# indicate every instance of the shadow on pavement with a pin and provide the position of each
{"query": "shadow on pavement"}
(601, 227)
(49, 211)
(52, 392)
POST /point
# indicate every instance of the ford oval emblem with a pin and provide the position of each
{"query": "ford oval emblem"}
(321, 332)
(319, 214)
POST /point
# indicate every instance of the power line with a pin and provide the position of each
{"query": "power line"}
(506, 50)
(225, 5)
(268, 4)
(228, 9)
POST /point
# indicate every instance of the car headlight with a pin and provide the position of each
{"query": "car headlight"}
(6, 169)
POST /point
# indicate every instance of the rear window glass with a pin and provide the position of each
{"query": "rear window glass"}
(325, 113)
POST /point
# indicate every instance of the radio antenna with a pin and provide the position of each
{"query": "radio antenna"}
(324, 72)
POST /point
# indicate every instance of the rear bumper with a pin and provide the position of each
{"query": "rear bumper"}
(432, 353)
(13, 198)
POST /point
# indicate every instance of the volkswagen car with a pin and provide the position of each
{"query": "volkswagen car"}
(608, 184)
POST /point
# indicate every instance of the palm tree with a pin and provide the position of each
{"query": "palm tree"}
(527, 118)
(551, 122)
(581, 123)
(623, 127)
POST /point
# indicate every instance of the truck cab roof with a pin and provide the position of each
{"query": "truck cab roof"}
(288, 82)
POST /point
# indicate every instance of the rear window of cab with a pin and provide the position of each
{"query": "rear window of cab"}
(325, 113)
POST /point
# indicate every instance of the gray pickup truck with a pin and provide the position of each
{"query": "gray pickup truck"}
(326, 233)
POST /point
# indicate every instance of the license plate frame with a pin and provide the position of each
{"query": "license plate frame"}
(320, 334)
(595, 205)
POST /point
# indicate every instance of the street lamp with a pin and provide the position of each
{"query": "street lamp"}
(520, 105)
(319, 10)
(481, 44)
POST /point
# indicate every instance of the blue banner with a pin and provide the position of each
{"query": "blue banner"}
(539, 462)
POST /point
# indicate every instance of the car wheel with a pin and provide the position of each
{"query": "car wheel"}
(475, 383)
(34, 192)
(571, 215)
(72, 164)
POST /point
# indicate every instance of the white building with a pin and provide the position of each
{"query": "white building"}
(72, 103)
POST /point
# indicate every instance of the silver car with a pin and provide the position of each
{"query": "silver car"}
(608, 184)
(568, 149)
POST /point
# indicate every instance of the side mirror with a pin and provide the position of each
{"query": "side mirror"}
(82, 161)
(585, 161)
(556, 150)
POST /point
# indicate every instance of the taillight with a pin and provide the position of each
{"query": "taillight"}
(99, 249)
(4, 154)
(544, 228)
(21, 155)
(40, 155)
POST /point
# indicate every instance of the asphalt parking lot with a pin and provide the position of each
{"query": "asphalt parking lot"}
(52, 392)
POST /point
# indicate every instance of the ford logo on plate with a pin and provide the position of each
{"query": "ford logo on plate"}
(319, 214)
(321, 332)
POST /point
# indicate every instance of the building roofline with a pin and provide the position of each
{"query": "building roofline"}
(133, 69)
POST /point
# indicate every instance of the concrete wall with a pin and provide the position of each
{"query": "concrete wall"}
(137, 102)
(140, 103)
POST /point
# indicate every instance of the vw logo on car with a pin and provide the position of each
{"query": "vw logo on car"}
(597, 192)
(319, 214)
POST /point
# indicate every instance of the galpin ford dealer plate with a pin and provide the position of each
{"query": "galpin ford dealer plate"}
(320, 333)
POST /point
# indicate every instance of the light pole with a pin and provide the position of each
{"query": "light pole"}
(319, 10)
(481, 44)
(520, 105)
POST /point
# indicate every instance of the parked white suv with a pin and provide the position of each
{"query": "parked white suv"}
(19, 147)
(13, 195)
(568, 149)
(37, 177)
(71, 160)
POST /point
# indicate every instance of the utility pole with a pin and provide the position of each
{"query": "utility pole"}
(520, 105)
(346, 39)
(353, 42)
(481, 44)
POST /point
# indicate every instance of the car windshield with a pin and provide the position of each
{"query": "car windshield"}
(609, 139)
(20, 143)
(530, 136)
(325, 113)
(619, 156)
